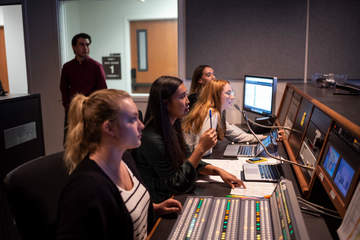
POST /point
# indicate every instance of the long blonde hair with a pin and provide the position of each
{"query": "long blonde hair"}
(86, 115)
(209, 98)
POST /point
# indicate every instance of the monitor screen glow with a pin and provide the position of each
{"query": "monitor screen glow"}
(344, 176)
(331, 160)
(259, 94)
(267, 141)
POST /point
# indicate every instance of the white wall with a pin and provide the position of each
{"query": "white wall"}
(1, 17)
(69, 25)
(108, 24)
(15, 48)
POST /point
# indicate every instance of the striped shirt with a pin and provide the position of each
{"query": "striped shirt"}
(137, 203)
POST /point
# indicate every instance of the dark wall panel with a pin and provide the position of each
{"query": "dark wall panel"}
(334, 37)
(246, 37)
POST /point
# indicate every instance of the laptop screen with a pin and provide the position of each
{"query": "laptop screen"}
(267, 141)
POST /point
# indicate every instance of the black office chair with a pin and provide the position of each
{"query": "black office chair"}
(8, 230)
(33, 190)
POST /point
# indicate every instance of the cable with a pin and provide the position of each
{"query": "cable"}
(267, 152)
(316, 205)
(264, 126)
(272, 127)
(315, 209)
(307, 211)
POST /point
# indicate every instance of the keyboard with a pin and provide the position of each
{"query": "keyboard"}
(269, 172)
(234, 150)
(246, 150)
(261, 172)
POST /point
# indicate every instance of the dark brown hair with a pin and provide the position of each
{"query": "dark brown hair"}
(198, 72)
(157, 115)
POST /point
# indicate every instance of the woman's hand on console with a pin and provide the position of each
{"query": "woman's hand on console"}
(168, 206)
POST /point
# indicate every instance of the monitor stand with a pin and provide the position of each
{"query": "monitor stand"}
(267, 121)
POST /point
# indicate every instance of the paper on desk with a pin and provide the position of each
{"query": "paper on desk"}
(232, 166)
(350, 226)
(255, 189)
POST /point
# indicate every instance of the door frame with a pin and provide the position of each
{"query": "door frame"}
(127, 53)
(4, 81)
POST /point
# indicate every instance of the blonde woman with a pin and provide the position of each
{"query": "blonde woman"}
(216, 96)
(105, 197)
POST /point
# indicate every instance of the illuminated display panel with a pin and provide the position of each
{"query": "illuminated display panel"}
(259, 94)
(344, 176)
(331, 160)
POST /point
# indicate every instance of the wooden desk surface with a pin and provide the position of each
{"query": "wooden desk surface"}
(346, 105)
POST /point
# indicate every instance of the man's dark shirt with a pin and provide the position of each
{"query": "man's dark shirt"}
(84, 78)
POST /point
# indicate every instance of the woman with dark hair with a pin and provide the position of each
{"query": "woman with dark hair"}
(163, 159)
(105, 197)
(201, 75)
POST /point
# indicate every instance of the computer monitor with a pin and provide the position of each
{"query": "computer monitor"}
(339, 169)
(259, 94)
(331, 160)
(344, 176)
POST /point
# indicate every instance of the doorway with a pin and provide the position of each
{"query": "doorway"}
(154, 52)
(3, 64)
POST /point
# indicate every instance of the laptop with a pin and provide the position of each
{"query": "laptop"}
(251, 150)
(261, 172)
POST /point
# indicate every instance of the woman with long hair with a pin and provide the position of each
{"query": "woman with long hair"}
(105, 197)
(201, 75)
(163, 159)
(216, 96)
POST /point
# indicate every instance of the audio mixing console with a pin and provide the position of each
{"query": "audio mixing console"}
(237, 218)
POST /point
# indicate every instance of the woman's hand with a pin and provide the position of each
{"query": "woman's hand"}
(230, 179)
(207, 140)
(281, 134)
(168, 206)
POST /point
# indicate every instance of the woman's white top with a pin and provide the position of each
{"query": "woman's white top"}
(137, 202)
(233, 133)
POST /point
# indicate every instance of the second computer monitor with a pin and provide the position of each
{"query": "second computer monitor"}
(259, 94)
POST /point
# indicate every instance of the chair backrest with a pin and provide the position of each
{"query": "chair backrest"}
(33, 191)
(8, 229)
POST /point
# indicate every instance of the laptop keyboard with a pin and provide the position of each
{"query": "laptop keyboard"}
(246, 150)
(239, 150)
(269, 172)
(231, 150)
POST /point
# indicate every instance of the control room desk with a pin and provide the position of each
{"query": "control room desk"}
(316, 226)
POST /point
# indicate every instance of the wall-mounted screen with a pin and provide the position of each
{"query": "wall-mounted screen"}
(344, 176)
(331, 160)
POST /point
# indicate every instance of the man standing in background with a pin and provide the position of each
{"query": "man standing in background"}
(80, 75)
